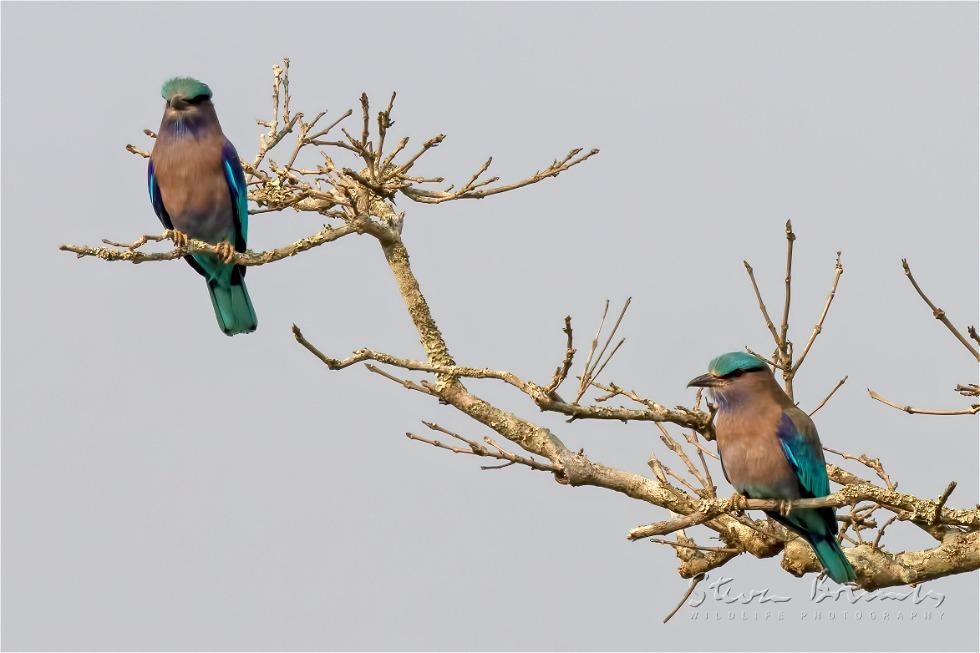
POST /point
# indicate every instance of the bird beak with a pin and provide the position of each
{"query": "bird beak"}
(704, 381)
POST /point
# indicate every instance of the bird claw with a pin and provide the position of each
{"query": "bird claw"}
(225, 251)
(785, 507)
(738, 501)
(179, 238)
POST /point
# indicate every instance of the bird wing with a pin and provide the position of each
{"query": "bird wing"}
(801, 446)
(235, 177)
(155, 199)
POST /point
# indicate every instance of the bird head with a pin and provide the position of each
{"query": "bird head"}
(728, 371)
(184, 95)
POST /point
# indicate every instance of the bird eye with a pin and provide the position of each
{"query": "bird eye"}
(198, 99)
(736, 373)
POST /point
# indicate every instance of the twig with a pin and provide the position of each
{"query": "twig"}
(818, 327)
(678, 450)
(590, 373)
(941, 501)
(911, 410)
(694, 583)
(768, 360)
(410, 385)
(323, 132)
(873, 464)
(827, 398)
(716, 549)
(470, 190)
(129, 253)
(426, 146)
(677, 523)
(142, 240)
(881, 531)
(583, 380)
(784, 325)
(762, 304)
(561, 372)
(477, 449)
(939, 314)
(861, 522)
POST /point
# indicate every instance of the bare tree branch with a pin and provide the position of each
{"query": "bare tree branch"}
(129, 252)
(561, 372)
(911, 410)
(694, 583)
(472, 190)
(827, 398)
(762, 304)
(938, 313)
(784, 325)
(477, 449)
(818, 327)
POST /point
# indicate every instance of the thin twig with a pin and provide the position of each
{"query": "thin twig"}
(762, 304)
(827, 398)
(694, 583)
(716, 549)
(881, 531)
(561, 372)
(410, 385)
(590, 373)
(583, 380)
(784, 325)
(873, 464)
(938, 313)
(941, 501)
(818, 327)
(911, 410)
(477, 449)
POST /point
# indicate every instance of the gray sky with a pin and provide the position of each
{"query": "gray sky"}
(166, 487)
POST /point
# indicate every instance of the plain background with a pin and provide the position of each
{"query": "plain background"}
(166, 487)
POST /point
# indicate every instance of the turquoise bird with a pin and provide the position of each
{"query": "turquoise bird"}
(769, 449)
(197, 188)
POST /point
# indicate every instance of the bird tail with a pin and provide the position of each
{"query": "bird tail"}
(832, 557)
(232, 305)
(819, 528)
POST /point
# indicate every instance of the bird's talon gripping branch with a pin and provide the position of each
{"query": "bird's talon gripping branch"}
(785, 507)
(225, 251)
(738, 501)
(179, 238)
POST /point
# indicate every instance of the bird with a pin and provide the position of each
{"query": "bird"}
(770, 449)
(197, 189)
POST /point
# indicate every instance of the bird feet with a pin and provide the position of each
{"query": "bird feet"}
(785, 507)
(738, 502)
(179, 238)
(225, 251)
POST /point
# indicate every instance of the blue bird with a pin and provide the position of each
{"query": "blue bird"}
(769, 449)
(197, 188)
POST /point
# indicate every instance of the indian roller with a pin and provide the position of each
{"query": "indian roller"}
(197, 188)
(769, 449)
